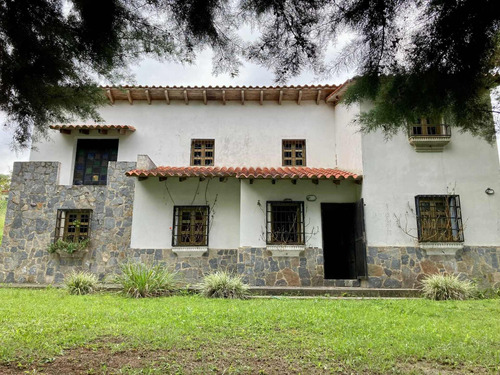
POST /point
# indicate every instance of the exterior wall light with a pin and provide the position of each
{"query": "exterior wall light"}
(311, 198)
(489, 191)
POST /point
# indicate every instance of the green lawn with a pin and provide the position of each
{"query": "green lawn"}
(3, 208)
(48, 330)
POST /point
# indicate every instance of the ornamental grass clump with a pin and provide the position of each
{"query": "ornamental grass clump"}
(81, 283)
(222, 284)
(141, 280)
(447, 287)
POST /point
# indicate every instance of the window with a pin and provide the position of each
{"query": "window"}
(294, 152)
(91, 163)
(285, 223)
(439, 218)
(202, 152)
(73, 225)
(190, 226)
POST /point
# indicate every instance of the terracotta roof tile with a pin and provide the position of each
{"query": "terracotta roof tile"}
(93, 127)
(244, 172)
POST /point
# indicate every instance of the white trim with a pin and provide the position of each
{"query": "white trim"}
(190, 252)
(441, 248)
(285, 250)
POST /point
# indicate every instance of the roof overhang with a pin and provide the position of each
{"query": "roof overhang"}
(103, 129)
(222, 94)
(335, 96)
(290, 173)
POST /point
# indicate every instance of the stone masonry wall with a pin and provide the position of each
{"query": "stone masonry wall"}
(405, 267)
(34, 199)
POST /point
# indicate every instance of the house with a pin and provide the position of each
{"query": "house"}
(273, 183)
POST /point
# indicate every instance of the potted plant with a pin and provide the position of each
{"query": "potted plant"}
(68, 247)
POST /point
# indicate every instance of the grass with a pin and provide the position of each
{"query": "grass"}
(191, 334)
(3, 209)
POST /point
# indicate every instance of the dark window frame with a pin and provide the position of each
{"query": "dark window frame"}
(67, 230)
(293, 149)
(275, 236)
(106, 149)
(439, 218)
(177, 229)
(203, 150)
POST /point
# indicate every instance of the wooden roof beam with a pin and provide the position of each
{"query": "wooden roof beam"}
(186, 99)
(205, 97)
(167, 97)
(242, 97)
(299, 98)
(148, 96)
(110, 96)
(129, 97)
(224, 97)
(280, 99)
(261, 99)
(318, 97)
(161, 179)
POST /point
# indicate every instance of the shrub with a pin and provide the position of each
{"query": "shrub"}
(140, 280)
(446, 287)
(68, 246)
(222, 284)
(80, 283)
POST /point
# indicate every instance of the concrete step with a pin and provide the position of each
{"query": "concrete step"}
(327, 291)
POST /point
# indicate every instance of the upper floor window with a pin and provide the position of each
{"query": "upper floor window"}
(439, 218)
(190, 226)
(73, 225)
(91, 163)
(285, 223)
(294, 152)
(202, 152)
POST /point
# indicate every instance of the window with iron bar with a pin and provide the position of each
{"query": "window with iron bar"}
(285, 223)
(202, 152)
(190, 226)
(294, 152)
(73, 225)
(439, 218)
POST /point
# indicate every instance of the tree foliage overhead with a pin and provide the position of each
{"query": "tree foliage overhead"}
(412, 58)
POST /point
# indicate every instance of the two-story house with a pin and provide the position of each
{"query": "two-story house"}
(273, 183)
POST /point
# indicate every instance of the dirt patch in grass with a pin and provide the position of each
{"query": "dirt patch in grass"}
(113, 356)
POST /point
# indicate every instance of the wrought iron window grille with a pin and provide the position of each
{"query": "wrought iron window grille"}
(191, 226)
(439, 218)
(285, 223)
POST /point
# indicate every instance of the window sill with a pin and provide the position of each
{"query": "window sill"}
(190, 251)
(441, 248)
(285, 250)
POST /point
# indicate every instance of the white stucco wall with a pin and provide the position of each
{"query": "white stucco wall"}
(153, 211)
(394, 173)
(245, 135)
(253, 206)
(348, 153)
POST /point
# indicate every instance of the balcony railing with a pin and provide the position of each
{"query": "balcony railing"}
(430, 130)
(429, 138)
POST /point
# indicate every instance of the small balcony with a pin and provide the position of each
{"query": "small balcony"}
(429, 138)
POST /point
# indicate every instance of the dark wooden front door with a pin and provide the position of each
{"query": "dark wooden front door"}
(344, 246)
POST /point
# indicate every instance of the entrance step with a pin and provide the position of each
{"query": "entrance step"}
(343, 283)
(327, 291)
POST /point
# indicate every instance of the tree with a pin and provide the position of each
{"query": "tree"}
(4, 183)
(436, 58)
